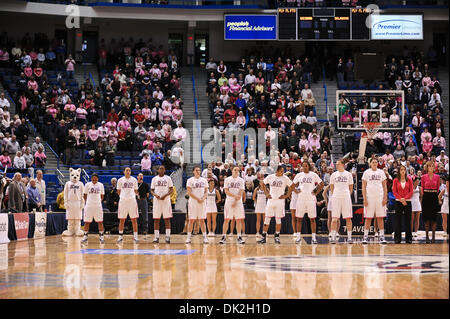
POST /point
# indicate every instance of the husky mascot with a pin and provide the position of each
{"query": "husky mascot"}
(74, 203)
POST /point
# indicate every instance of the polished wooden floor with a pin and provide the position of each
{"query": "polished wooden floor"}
(57, 267)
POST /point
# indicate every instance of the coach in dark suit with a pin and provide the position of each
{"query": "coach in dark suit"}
(16, 194)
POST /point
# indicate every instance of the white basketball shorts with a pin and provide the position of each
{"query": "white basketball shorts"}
(306, 205)
(275, 208)
(196, 210)
(162, 208)
(236, 212)
(128, 208)
(93, 212)
(342, 206)
(375, 208)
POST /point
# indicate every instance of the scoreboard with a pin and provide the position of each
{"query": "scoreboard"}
(326, 24)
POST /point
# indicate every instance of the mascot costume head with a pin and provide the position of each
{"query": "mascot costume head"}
(74, 202)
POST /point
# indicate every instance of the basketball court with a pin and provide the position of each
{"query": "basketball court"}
(57, 267)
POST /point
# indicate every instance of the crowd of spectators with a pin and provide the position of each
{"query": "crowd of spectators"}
(274, 94)
(135, 109)
(424, 134)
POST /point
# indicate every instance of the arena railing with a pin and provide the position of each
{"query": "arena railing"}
(54, 153)
(177, 179)
(92, 80)
(85, 176)
(61, 177)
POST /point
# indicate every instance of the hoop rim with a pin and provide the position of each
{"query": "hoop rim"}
(371, 129)
(371, 125)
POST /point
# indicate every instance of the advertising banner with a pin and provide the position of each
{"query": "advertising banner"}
(21, 223)
(40, 222)
(4, 229)
(396, 27)
(250, 27)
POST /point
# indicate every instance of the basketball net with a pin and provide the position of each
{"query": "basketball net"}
(371, 129)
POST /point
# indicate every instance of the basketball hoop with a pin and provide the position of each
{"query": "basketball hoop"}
(371, 129)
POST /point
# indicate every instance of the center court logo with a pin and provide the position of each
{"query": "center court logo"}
(360, 264)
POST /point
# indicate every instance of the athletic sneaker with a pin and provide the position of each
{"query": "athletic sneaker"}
(334, 242)
(313, 241)
(298, 240)
(240, 240)
(244, 235)
(136, 240)
(85, 239)
(365, 241)
(329, 236)
(383, 240)
(210, 234)
(277, 239)
(258, 235)
(223, 240)
(263, 239)
(156, 240)
(349, 241)
(337, 236)
(120, 239)
(167, 240)
(376, 234)
(205, 240)
(102, 239)
(188, 241)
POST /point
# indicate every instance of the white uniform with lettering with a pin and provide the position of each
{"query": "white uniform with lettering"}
(374, 193)
(199, 188)
(261, 202)
(306, 201)
(444, 207)
(211, 206)
(416, 206)
(93, 209)
(127, 202)
(73, 196)
(234, 186)
(161, 186)
(277, 184)
(342, 202)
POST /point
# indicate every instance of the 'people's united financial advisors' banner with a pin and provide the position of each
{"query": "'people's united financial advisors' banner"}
(250, 27)
(396, 27)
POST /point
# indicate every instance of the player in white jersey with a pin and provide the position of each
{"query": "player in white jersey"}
(374, 190)
(234, 188)
(443, 199)
(127, 188)
(416, 207)
(161, 188)
(310, 185)
(93, 197)
(260, 199)
(341, 184)
(197, 189)
(211, 207)
(275, 204)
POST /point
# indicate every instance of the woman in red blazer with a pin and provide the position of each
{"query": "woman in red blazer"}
(403, 190)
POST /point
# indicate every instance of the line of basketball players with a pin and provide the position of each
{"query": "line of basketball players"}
(270, 197)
